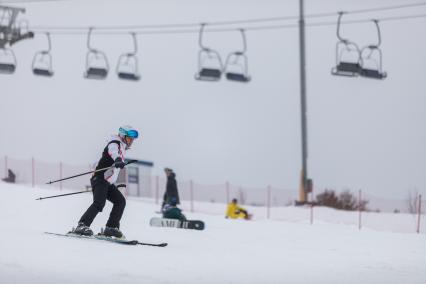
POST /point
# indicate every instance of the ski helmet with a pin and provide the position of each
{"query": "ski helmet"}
(128, 131)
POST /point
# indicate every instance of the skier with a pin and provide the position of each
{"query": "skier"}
(171, 188)
(234, 211)
(171, 211)
(103, 186)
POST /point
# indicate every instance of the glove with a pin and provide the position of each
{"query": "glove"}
(119, 163)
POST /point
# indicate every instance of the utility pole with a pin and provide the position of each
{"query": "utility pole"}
(305, 183)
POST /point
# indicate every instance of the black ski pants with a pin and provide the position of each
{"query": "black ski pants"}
(103, 191)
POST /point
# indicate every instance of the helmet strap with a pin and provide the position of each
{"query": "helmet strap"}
(125, 142)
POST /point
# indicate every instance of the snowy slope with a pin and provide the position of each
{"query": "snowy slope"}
(258, 251)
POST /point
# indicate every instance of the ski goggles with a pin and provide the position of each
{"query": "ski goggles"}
(132, 134)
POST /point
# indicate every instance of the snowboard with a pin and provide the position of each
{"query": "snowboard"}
(174, 223)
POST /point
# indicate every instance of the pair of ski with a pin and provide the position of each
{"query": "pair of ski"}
(108, 239)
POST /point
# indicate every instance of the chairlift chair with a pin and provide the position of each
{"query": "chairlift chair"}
(97, 66)
(127, 66)
(374, 68)
(344, 65)
(7, 61)
(42, 61)
(348, 55)
(236, 64)
(211, 72)
(372, 65)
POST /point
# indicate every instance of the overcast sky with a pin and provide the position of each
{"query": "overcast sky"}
(362, 134)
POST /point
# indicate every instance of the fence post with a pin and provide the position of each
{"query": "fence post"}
(33, 171)
(242, 201)
(157, 187)
(227, 192)
(359, 209)
(5, 167)
(60, 175)
(268, 202)
(139, 183)
(312, 205)
(419, 213)
(191, 192)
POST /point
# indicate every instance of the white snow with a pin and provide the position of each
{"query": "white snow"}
(227, 251)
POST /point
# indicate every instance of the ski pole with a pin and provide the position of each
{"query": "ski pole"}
(41, 198)
(91, 172)
(87, 190)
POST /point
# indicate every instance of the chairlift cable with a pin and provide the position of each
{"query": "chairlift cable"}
(367, 10)
(30, 1)
(329, 23)
(396, 18)
(386, 8)
(128, 27)
(231, 22)
(252, 28)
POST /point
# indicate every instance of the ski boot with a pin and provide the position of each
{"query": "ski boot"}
(83, 230)
(112, 233)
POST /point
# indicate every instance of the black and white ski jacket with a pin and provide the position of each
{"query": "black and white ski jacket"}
(114, 149)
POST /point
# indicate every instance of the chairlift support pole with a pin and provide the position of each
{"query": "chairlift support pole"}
(243, 36)
(303, 190)
(89, 35)
(135, 43)
(49, 42)
(339, 21)
(200, 36)
(379, 34)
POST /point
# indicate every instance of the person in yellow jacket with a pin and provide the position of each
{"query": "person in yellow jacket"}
(234, 211)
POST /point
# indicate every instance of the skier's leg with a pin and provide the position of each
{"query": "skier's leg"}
(243, 213)
(100, 191)
(119, 203)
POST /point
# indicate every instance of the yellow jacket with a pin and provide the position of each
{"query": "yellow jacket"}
(234, 211)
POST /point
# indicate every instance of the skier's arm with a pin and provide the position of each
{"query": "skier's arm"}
(114, 151)
(115, 154)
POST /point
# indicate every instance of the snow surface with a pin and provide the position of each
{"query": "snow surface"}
(228, 251)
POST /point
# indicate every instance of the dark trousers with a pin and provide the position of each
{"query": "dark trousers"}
(103, 191)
